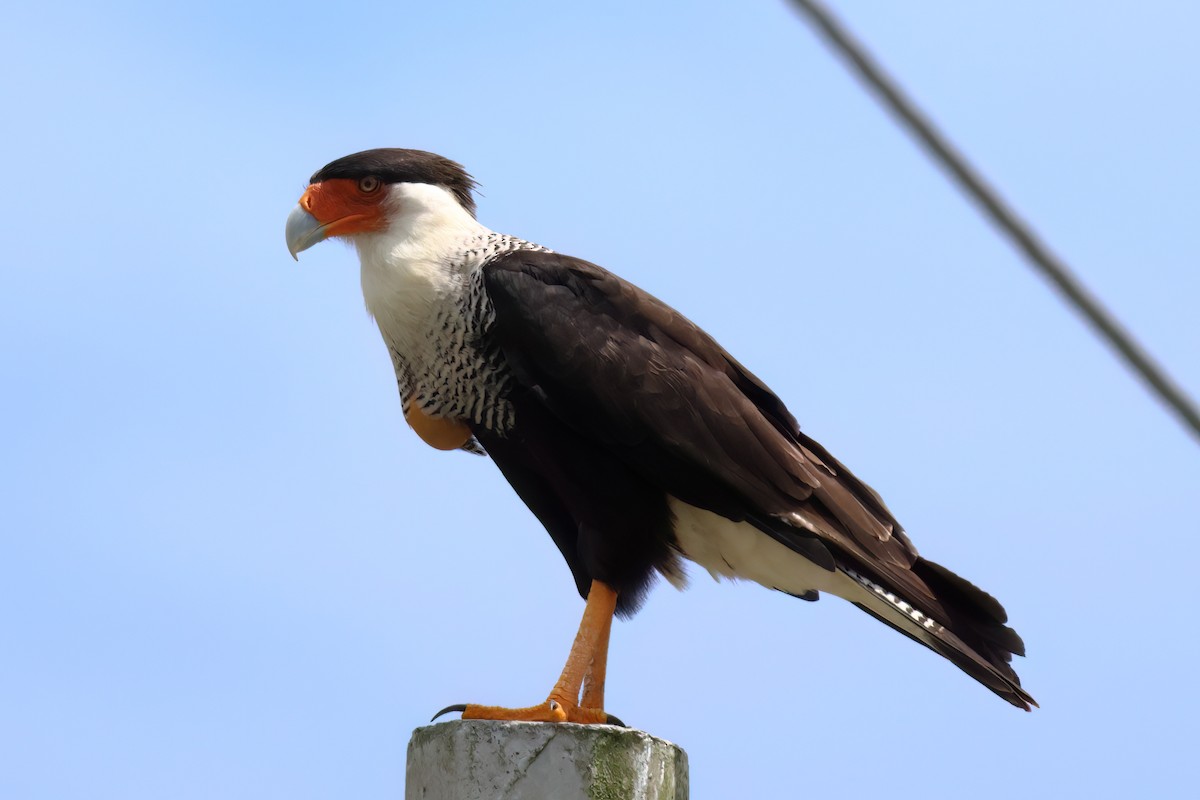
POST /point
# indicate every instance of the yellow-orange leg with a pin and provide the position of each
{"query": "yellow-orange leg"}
(585, 668)
(593, 679)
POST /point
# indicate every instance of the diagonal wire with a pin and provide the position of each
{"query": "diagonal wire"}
(1025, 239)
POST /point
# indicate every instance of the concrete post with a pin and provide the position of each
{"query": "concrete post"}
(481, 760)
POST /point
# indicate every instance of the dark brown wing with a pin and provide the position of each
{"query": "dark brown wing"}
(633, 375)
(625, 368)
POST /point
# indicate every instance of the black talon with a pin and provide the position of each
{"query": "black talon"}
(448, 709)
(611, 720)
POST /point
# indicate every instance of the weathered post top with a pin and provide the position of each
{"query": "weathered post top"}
(482, 760)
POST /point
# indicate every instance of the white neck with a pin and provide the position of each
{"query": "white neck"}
(407, 270)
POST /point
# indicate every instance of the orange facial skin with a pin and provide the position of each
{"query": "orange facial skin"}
(345, 206)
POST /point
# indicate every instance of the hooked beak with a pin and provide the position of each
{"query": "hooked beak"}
(303, 231)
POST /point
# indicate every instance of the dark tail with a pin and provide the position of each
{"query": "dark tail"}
(975, 638)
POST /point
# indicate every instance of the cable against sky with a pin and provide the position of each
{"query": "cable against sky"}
(1001, 214)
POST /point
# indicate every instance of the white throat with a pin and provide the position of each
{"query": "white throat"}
(408, 270)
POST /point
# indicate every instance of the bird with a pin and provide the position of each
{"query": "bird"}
(636, 440)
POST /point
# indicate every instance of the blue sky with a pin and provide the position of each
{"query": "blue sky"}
(227, 569)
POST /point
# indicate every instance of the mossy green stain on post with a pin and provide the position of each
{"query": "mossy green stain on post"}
(613, 776)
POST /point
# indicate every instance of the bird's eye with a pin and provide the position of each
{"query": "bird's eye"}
(368, 184)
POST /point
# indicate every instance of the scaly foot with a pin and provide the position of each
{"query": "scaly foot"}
(549, 711)
(585, 669)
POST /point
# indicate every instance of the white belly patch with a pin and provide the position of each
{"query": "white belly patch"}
(730, 549)
(738, 550)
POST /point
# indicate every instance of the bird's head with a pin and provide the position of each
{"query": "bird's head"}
(377, 192)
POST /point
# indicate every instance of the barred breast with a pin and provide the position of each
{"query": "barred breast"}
(456, 372)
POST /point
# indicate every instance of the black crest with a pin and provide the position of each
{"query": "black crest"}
(396, 165)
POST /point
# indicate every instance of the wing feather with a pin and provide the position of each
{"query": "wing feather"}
(627, 369)
(635, 376)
